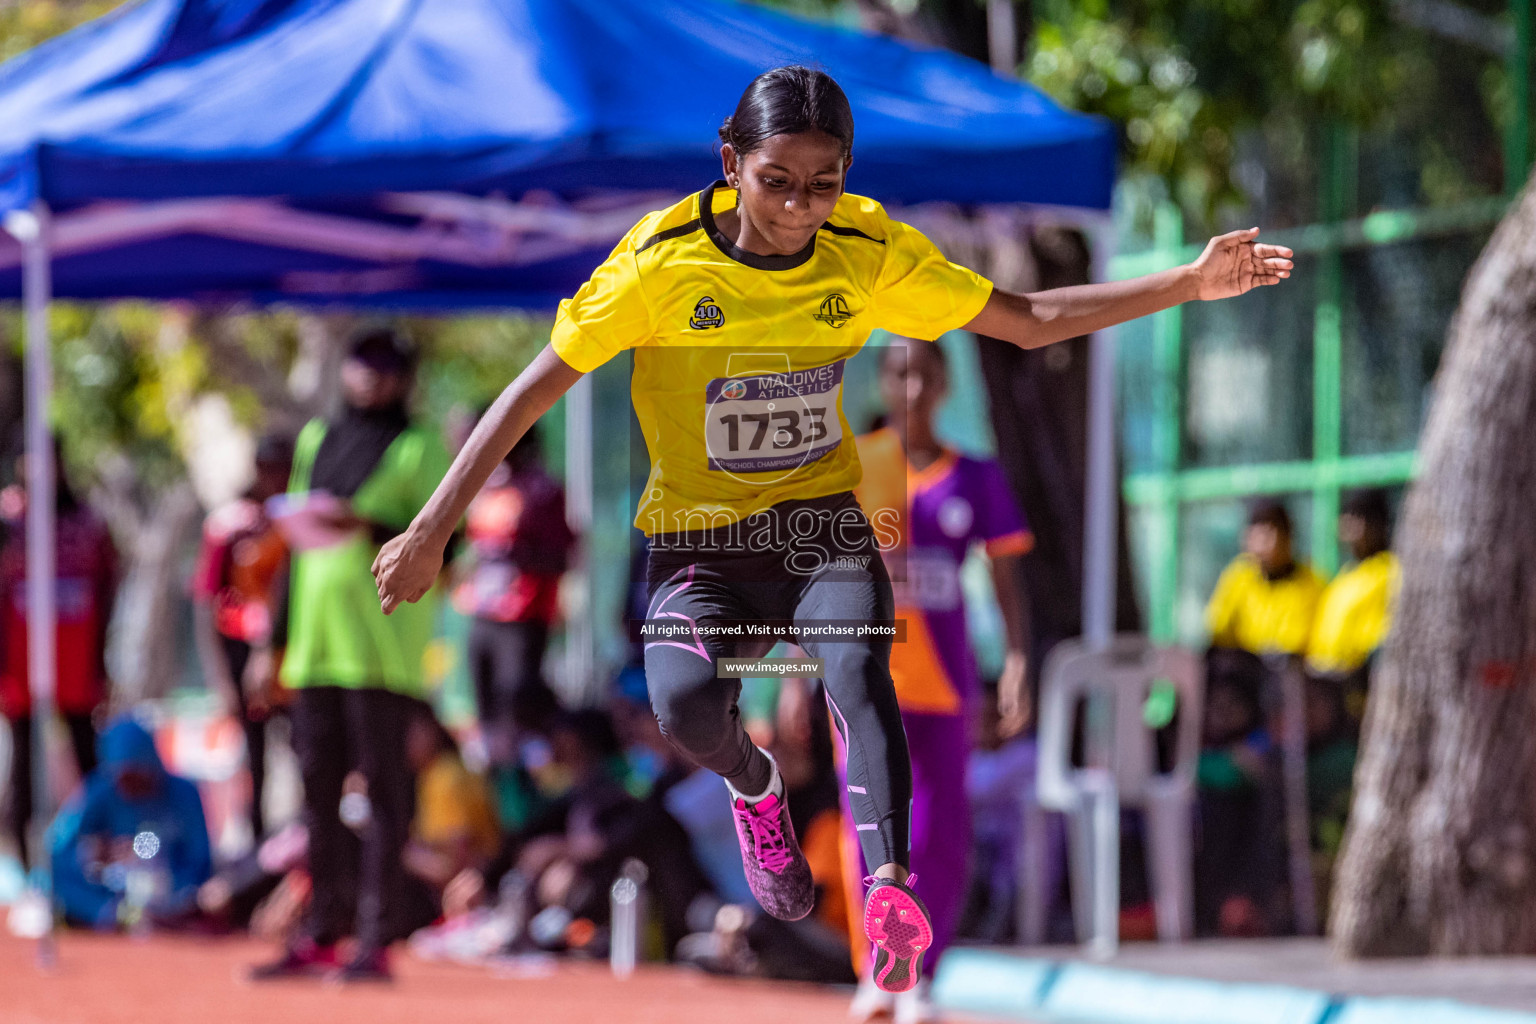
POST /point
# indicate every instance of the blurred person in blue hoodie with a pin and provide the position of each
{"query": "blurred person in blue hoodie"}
(131, 845)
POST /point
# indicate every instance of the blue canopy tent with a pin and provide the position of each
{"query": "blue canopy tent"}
(456, 154)
(338, 106)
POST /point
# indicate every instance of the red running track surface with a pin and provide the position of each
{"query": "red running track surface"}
(102, 979)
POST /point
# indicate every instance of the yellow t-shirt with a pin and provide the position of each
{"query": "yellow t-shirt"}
(1251, 611)
(453, 803)
(1354, 615)
(739, 357)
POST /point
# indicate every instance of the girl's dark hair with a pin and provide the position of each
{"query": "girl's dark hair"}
(789, 101)
(1370, 504)
(908, 345)
(1270, 512)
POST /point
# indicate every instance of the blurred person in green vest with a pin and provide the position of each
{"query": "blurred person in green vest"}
(358, 478)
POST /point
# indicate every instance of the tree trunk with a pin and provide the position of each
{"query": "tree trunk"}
(146, 642)
(1441, 845)
(1039, 405)
(157, 528)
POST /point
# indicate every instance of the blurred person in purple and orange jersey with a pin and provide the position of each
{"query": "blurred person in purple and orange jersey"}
(929, 505)
(236, 593)
(86, 577)
(519, 546)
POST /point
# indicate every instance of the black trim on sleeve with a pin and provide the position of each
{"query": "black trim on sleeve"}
(838, 229)
(677, 232)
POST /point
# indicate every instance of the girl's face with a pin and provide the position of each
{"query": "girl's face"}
(911, 382)
(1271, 546)
(367, 387)
(788, 186)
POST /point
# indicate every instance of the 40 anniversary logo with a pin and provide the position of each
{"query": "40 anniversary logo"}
(706, 314)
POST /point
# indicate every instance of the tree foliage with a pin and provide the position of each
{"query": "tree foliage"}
(25, 23)
(1212, 95)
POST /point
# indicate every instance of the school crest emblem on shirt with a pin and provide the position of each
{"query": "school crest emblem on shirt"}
(834, 310)
(706, 314)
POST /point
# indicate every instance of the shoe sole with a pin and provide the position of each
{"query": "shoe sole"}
(896, 921)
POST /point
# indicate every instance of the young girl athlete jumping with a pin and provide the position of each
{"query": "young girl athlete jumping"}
(742, 304)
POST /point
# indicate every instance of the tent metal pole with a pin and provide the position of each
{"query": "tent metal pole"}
(1002, 33)
(1100, 512)
(1100, 507)
(30, 228)
(581, 635)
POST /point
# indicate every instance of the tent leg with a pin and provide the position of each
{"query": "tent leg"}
(30, 227)
(1099, 552)
(581, 636)
(1101, 508)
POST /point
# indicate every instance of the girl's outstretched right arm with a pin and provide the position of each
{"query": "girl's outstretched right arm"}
(408, 565)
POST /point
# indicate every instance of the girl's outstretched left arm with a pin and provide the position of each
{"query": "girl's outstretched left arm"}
(1231, 264)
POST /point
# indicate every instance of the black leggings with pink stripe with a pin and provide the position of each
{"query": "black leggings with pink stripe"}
(813, 563)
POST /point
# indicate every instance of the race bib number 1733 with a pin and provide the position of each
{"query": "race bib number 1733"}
(773, 421)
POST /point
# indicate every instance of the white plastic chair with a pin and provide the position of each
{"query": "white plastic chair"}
(1121, 771)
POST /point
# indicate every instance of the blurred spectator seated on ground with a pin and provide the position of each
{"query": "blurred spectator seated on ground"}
(132, 841)
(654, 765)
(1262, 612)
(455, 827)
(558, 869)
(523, 787)
(257, 890)
(1237, 849)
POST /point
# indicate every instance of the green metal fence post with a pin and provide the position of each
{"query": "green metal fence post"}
(1167, 434)
(1328, 359)
(1517, 132)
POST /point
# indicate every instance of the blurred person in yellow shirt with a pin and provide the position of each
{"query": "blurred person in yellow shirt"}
(1353, 618)
(1265, 601)
(1355, 611)
(455, 826)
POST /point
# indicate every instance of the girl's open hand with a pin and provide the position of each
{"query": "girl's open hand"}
(1234, 264)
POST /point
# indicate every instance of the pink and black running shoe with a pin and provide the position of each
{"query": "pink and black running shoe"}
(777, 872)
(898, 924)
